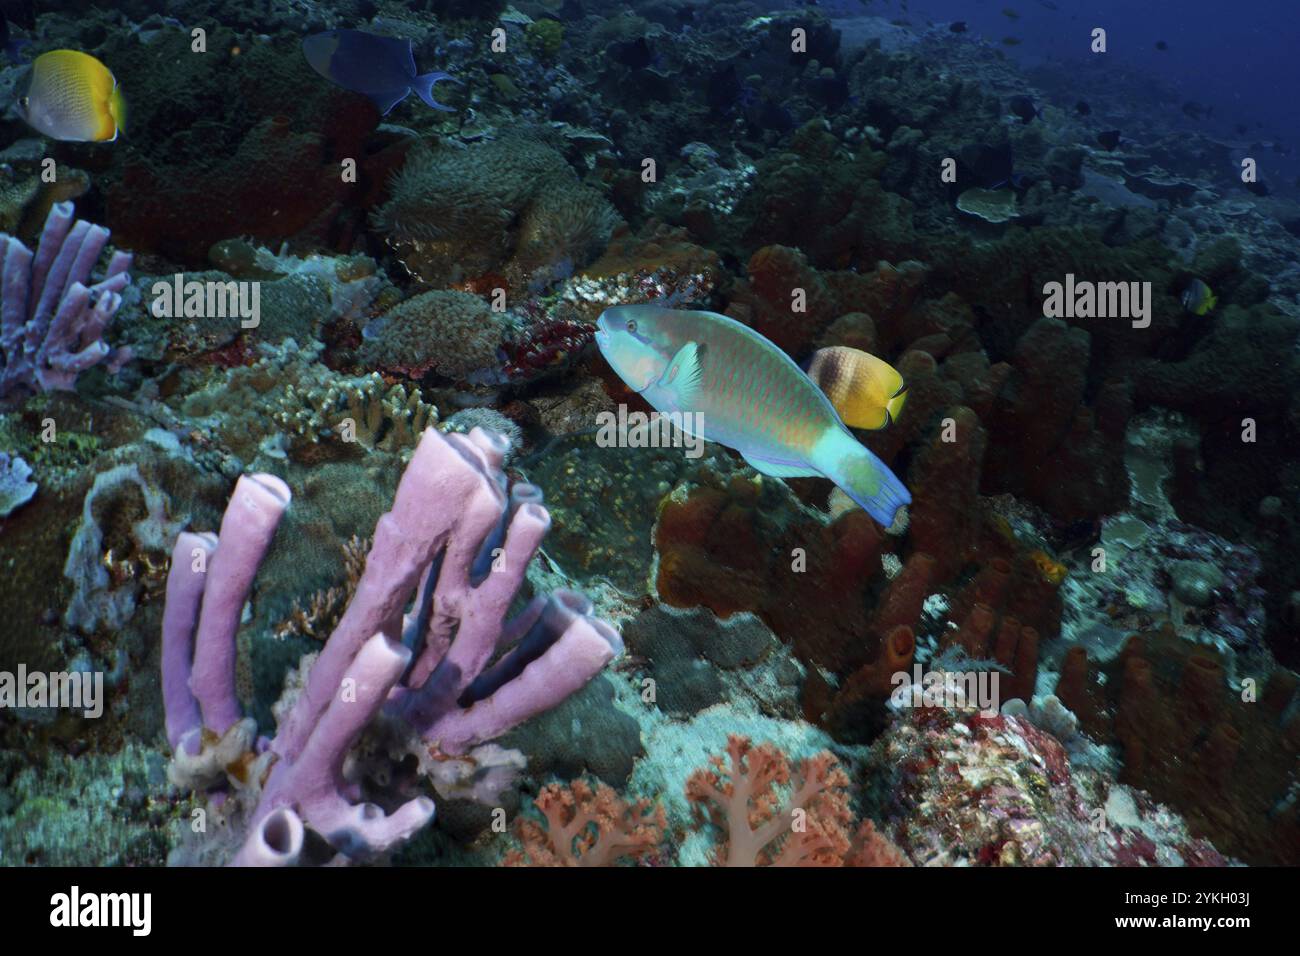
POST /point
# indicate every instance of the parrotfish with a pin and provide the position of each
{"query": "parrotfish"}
(73, 97)
(866, 391)
(745, 393)
(382, 68)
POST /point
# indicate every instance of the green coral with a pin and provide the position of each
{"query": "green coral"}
(67, 454)
(88, 810)
(545, 37)
(309, 405)
(1195, 581)
(357, 409)
(833, 207)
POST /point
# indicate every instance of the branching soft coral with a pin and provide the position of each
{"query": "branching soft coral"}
(586, 826)
(743, 798)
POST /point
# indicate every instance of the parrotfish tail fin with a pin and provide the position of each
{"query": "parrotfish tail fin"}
(423, 87)
(862, 476)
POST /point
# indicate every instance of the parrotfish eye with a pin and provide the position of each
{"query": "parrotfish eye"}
(24, 102)
(631, 325)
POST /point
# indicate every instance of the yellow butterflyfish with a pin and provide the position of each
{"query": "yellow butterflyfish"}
(866, 391)
(73, 97)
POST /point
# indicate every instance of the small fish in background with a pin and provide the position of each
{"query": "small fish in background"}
(21, 13)
(989, 167)
(748, 395)
(867, 392)
(1197, 298)
(1011, 41)
(381, 68)
(1109, 139)
(1023, 107)
(957, 26)
(772, 115)
(72, 97)
(1052, 570)
(1010, 14)
(634, 54)
(723, 90)
(1082, 108)
(1162, 45)
(1258, 187)
(1197, 111)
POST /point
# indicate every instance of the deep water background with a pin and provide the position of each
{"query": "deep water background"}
(1241, 59)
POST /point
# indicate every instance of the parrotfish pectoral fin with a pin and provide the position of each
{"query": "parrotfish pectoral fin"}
(776, 469)
(861, 475)
(683, 376)
(423, 86)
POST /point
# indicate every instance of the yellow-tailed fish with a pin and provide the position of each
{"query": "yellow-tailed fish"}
(1198, 299)
(73, 97)
(747, 394)
(867, 392)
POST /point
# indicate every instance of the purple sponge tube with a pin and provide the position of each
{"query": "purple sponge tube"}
(454, 549)
(51, 320)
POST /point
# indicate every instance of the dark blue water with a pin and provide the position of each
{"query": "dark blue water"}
(1240, 60)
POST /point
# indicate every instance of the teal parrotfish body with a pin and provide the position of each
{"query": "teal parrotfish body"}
(748, 395)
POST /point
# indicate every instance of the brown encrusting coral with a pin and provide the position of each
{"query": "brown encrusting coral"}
(1186, 733)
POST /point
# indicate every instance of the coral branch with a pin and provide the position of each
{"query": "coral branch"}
(742, 798)
(586, 826)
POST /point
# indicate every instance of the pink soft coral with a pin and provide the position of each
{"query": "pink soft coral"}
(873, 848)
(742, 798)
(585, 826)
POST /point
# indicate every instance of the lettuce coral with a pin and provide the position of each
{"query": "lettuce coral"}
(991, 205)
